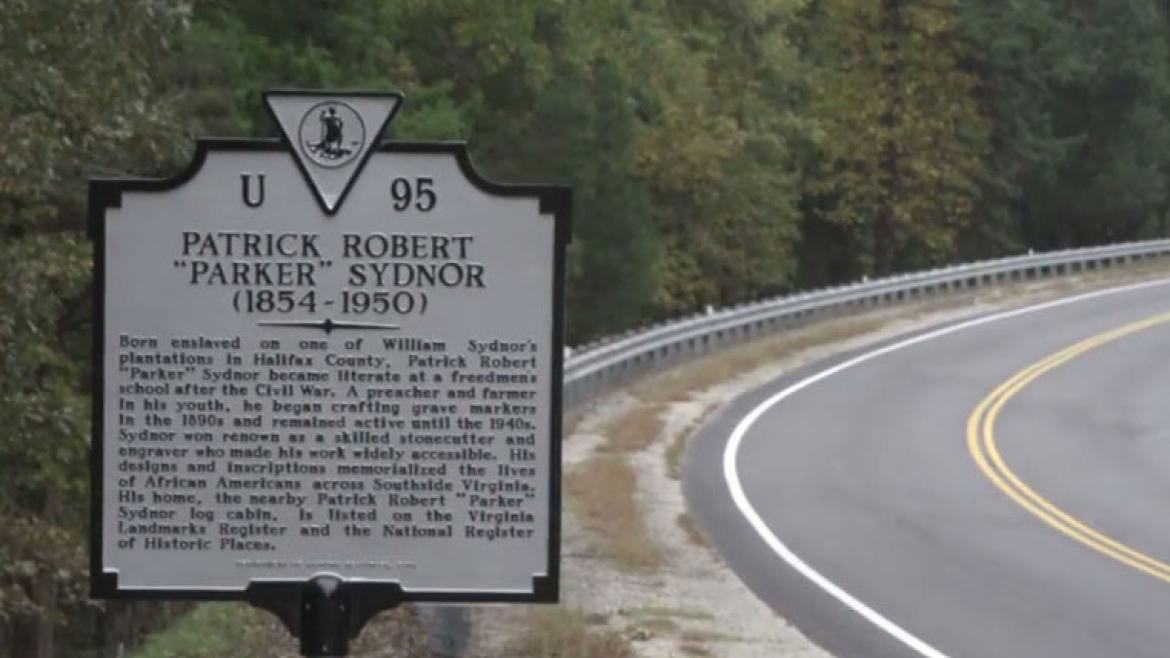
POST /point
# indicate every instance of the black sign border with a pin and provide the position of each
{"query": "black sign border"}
(554, 200)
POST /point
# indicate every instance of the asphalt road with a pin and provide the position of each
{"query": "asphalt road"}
(939, 497)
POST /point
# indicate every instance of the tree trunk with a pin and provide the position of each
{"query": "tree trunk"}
(884, 238)
(44, 593)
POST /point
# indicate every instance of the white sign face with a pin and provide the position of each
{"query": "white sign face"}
(359, 381)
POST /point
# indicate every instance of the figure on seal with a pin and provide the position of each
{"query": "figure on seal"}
(330, 146)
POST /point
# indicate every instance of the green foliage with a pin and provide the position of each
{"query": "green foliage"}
(609, 279)
(718, 151)
(44, 413)
(717, 95)
(209, 630)
(1077, 92)
(33, 551)
(899, 136)
(43, 401)
(77, 98)
(647, 111)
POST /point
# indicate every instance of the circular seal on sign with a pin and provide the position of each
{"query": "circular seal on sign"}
(331, 134)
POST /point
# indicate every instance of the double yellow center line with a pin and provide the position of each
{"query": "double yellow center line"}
(981, 444)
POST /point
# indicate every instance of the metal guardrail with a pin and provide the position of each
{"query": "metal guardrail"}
(598, 366)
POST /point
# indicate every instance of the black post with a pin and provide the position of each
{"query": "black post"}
(325, 616)
(326, 612)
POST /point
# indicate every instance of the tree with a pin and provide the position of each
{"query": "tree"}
(715, 90)
(76, 99)
(609, 271)
(899, 134)
(1077, 94)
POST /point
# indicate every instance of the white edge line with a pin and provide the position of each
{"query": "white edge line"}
(731, 475)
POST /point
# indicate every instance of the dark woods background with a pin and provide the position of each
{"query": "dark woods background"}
(721, 150)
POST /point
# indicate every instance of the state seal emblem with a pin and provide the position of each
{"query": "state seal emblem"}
(331, 134)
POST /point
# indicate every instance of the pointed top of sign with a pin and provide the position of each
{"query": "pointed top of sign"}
(331, 135)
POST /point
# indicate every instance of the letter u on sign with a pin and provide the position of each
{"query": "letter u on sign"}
(253, 198)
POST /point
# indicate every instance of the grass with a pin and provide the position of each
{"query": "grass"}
(604, 490)
(677, 449)
(216, 630)
(678, 445)
(707, 637)
(210, 630)
(571, 420)
(634, 430)
(659, 625)
(646, 611)
(712, 369)
(567, 633)
(691, 529)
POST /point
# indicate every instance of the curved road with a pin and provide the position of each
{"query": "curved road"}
(999, 487)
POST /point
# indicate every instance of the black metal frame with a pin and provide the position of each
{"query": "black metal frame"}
(349, 605)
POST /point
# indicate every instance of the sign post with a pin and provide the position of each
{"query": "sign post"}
(327, 375)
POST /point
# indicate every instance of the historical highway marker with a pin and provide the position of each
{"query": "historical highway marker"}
(327, 375)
